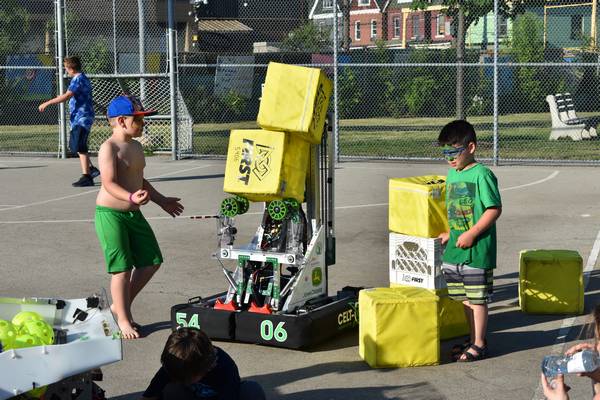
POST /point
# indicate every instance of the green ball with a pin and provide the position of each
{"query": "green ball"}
(8, 334)
(40, 329)
(23, 341)
(24, 316)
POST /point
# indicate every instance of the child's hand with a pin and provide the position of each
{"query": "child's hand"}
(172, 206)
(465, 240)
(42, 107)
(558, 390)
(140, 197)
(445, 236)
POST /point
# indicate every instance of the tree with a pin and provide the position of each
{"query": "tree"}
(464, 13)
(14, 25)
(308, 37)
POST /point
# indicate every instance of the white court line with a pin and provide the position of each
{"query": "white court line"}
(551, 176)
(37, 203)
(569, 322)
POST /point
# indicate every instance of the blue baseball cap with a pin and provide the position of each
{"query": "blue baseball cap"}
(127, 106)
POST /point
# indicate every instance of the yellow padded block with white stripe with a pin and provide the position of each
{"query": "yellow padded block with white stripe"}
(295, 99)
(551, 282)
(399, 327)
(417, 205)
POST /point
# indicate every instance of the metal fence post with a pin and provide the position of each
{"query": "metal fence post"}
(60, 73)
(173, 79)
(496, 47)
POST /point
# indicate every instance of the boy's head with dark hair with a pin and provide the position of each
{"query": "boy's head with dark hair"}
(72, 62)
(458, 132)
(458, 142)
(188, 355)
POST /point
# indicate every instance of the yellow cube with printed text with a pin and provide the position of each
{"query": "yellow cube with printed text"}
(266, 165)
(295, 99)
(399, 327)
(417, 205)
(453, 321)
(551, 282)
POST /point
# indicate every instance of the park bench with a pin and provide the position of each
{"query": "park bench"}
(565, 122)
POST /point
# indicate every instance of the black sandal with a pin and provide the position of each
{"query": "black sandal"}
(458, 349)
(470, 357)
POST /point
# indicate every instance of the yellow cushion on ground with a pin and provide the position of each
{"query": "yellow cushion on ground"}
(453, 321)
(398, 327)
(551, 282)
(417, 205)
(266, 165)
(295, 99)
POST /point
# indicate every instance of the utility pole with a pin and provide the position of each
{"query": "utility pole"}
(345, 6)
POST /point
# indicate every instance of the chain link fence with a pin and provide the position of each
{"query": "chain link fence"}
(526, 75)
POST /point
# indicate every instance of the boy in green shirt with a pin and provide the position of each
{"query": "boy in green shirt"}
(474, 205)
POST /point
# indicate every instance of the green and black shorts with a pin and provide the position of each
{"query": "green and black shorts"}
(468, 283)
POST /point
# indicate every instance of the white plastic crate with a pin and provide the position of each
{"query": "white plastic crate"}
(416, 261)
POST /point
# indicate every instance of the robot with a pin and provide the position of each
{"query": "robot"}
(277, 294)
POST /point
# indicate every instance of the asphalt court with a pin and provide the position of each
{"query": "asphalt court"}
(49, 249)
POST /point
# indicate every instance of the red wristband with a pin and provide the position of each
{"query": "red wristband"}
(131, 198)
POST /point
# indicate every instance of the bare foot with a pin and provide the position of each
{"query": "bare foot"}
(127, 330)
(134, 324)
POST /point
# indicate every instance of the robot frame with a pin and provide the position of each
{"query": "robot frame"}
(278, 292)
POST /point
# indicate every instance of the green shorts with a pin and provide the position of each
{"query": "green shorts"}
(126, 239)
(468, 283)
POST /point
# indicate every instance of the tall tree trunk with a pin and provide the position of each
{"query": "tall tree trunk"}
(460, 52)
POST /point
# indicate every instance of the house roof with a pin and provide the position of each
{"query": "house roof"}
(222, 25)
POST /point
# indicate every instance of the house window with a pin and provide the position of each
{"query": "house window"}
(327, 4)
(502, 25)
(396, 27)
(576, 27)
(415, 26)
(440, 25)
(364, 2)
(373, 29)
(357, 30)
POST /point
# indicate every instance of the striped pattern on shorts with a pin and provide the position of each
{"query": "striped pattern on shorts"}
(468, 283)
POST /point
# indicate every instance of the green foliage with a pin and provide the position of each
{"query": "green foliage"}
(350, 94)
(527, 44)
(14, 25)
(96, 58)
(235, 103)
(309, 38)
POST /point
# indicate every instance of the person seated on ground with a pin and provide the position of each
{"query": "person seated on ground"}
(192, 368)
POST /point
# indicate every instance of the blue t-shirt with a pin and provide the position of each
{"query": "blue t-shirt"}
(80, 105)
(220, 383)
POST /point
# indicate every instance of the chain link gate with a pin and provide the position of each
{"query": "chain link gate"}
(397, 69)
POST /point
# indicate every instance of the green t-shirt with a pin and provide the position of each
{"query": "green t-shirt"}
(468, 194)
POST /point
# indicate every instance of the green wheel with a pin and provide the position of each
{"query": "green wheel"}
(277, 210)
(230, 207)
(243, 204)
(292, 204)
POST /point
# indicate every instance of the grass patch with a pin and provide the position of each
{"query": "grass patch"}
(521, 136)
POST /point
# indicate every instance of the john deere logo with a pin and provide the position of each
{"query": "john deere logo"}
(262, 162)
(317, 276)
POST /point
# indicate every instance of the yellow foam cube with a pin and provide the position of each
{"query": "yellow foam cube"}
(551, 282)
(266, 165)
(295, 99)
(398, 327)
(452, 319)
(417, 205)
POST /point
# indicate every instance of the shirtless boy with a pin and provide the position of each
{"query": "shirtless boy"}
(130, 248)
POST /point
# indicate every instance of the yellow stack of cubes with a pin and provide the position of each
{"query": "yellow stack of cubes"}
(417, 215)
(551, 282)
(271, 163)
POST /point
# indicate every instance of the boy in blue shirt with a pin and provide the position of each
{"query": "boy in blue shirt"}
(474, 205)
(79, 95)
